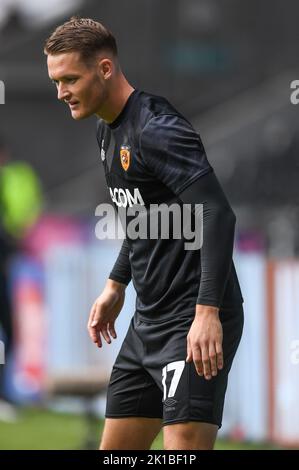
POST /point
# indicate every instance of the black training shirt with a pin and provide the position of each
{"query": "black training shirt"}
(151, 154)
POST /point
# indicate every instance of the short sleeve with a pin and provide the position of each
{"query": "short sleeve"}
(173, 151)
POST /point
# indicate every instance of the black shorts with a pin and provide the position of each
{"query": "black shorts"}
(151, 378)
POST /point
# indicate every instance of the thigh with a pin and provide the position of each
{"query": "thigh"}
(129, 433)
(132, 392)
(188, 397)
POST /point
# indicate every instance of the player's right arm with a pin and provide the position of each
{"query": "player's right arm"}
(106, 308)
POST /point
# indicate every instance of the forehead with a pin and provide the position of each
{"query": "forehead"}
(67, 63)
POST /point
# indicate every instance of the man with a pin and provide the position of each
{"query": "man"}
(173, 366)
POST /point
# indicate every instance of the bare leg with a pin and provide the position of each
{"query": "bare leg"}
(129, 433)
(190, 436)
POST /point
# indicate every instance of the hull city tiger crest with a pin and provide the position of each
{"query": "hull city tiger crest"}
(125, 156)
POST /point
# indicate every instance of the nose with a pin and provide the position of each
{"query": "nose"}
(62, 92)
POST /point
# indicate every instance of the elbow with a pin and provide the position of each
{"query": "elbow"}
(231, 220)
(227, 214)
(227, 219)
(232, 217)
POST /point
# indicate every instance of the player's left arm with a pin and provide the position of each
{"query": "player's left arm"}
(204, 341)
(173, 151)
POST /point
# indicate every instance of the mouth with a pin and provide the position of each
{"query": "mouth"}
(73, 104)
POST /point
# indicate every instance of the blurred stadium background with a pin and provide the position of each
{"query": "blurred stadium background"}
(228, 67)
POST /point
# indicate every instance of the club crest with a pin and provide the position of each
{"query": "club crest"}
(125, 156)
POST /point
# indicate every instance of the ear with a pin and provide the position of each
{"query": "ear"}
(106, 67)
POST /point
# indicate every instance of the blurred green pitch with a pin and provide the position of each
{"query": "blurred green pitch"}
(39, 429)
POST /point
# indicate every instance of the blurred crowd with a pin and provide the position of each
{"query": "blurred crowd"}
(20, 205)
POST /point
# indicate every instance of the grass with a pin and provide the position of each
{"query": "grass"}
(42, 430)
(39, 429)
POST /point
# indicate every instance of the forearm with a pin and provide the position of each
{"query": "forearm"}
(218, 238)
(216, 255)
(121, 272)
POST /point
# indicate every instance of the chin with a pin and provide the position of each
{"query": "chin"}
(79, 115)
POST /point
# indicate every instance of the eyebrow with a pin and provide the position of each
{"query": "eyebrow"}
(64, 77)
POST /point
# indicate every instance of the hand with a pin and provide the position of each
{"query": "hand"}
(104, 312)
(204, 341)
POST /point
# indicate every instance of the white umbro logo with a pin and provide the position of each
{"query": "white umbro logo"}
(103, 153)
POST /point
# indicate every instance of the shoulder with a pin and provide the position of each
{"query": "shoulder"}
(156, 116)
(162, 123)
(153, 108)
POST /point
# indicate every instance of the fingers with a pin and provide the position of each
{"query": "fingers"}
(112, 330)
(189, 351)
(106, 331)
(207, 358)
(197, 359)
(99, 340)
(91, 325)
(97, 329)
(213, 362)
(219, 353)
(206, 362)
(97, 333)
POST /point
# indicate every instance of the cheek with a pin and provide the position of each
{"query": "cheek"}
(88, 95)
(91, 94)
(97, 92)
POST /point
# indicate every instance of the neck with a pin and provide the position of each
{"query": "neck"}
(117, 97)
